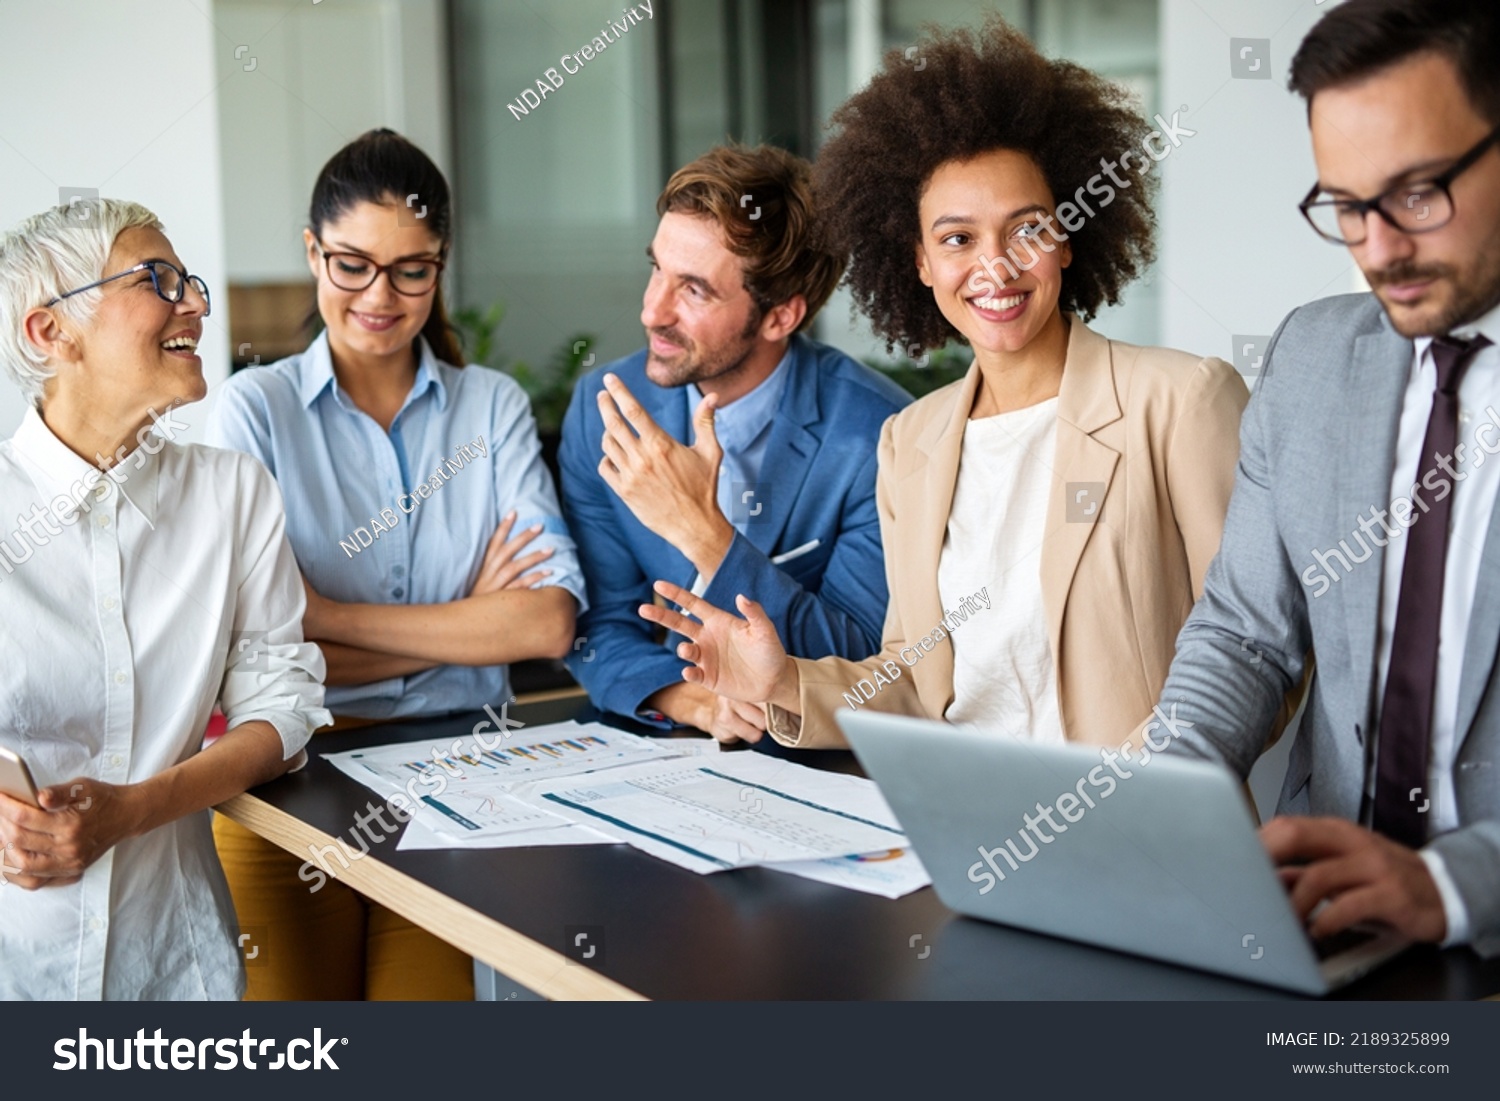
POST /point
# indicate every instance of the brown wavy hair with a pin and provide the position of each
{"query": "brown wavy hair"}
(963, 94)
(774, 230)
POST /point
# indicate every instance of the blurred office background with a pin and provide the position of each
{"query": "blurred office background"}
(218, 114)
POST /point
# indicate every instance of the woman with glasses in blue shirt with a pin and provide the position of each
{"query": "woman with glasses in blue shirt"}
(425, 524)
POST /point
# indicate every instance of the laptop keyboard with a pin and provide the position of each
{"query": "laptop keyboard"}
(1329, 946)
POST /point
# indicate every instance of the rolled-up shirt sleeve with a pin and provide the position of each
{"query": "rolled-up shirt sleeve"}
(523, 483)
(271, 674)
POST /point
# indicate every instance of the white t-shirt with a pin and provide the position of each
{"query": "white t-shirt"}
(1003, 678)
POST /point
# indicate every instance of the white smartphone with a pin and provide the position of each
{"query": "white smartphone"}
(15, 778)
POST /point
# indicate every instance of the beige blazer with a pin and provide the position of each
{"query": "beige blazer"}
(1160, 430)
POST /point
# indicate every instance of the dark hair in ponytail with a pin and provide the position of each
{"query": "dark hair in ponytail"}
(380, 166)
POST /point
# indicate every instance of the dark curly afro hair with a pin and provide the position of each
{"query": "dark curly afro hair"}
(976, 93)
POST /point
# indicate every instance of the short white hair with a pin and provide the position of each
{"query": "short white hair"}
(47, 255)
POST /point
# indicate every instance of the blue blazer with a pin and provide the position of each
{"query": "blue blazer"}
(820, 464)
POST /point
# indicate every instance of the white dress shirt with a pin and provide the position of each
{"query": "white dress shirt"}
(1004, 680)
(129, 605)
(743, 429)
(1474, 490)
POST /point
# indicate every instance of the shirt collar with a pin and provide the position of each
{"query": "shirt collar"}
(58, 472)
(1486, 324)
(317, 374)
(740, 423)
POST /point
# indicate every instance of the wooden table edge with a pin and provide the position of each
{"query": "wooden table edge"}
(515, 955)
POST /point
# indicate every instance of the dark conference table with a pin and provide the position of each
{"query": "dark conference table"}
(662, 932)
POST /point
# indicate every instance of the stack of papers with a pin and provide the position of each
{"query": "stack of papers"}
(678, 799)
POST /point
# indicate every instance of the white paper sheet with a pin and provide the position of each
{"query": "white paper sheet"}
(557, 749)
(737, 810)
(419, 837)
(461, 792)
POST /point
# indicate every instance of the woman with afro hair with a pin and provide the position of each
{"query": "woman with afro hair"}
(1048, 519)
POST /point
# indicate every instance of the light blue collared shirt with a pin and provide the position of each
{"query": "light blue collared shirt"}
(744, 429)
(402, 517)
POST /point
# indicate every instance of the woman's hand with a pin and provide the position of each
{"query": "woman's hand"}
(501, 568)
(742, 659)
(78, 822)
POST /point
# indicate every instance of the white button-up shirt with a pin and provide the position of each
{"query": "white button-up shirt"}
(1474, 490)
(129, 605)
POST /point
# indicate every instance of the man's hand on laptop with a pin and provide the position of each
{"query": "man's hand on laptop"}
(1363, 876)
(670, 488)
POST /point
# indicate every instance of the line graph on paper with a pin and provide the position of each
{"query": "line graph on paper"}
(699, 816)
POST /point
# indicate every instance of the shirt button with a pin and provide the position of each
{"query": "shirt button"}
(95, 925)
(1464, 417)
(398, 592)
(109, 603)
(104, 521)
(399, 571)
(102, 492)
(121, 678)
(115, 760)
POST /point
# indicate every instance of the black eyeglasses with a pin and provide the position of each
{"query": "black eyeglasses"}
(1410, 207)
(169, 282)
(349, 271)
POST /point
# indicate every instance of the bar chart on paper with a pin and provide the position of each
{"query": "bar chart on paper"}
(462, 793)
(559, 749)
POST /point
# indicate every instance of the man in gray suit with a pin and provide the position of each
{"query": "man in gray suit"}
(1362, 525)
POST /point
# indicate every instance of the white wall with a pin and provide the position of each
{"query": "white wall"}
(78, 113)
(1236, 256)
(310, 79)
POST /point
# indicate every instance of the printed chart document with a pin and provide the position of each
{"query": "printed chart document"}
(729, 811)
(461, 792)
(557, 749)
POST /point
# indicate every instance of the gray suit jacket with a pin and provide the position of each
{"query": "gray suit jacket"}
(1317, 449)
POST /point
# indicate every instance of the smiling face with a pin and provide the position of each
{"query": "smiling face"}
(376, 322)
(1406, 124)
(701, 323)
(983, 220)
(138, 351)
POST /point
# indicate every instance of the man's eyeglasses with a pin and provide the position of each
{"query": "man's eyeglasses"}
(1418, 207)
(349, 271)
(169, 282)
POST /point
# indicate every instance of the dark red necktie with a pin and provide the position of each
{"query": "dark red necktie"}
(1402, 800)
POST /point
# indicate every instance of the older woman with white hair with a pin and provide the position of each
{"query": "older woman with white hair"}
(142, 580)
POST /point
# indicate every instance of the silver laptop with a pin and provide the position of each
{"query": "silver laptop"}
(1161, 860)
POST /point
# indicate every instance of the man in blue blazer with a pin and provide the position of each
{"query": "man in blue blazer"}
(1363, 524)
(772, 494)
